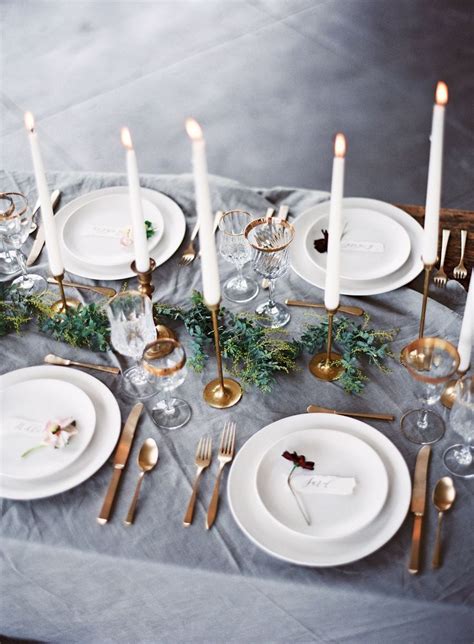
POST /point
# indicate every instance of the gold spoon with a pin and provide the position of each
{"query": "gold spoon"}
(147, 459)
(443, 498)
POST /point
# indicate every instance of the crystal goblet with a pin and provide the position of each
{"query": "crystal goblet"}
(131, 329)
(459, 459)
(270, 238)
(165, 361)
(235, 249)
(431, 362)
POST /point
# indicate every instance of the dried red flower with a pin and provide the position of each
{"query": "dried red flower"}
(299, 460)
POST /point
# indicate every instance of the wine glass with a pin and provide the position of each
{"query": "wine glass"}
(234, 248)
(270, 238)
(15, 226)
(431, 362)
(131, 329)
(165, 360)
(8, 263)
(459, 459)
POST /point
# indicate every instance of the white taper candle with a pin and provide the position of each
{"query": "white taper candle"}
(55, 259)
(209, 267)
(140, 243)
(433, 189)
(331, 291)
(466, 337)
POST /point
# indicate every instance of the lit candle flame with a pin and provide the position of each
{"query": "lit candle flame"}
(340, 145)
(126, 138)
(29, 121)
(193, 129)
(441, 93)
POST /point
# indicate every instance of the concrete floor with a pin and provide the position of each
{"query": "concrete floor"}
(270, 80)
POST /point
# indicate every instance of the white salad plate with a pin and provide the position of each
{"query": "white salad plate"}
(335, 454)
(103, 441)
(373, 245)
(277, 540)
(174, 229)
(311, 273)
(26, 409)
(98, 233)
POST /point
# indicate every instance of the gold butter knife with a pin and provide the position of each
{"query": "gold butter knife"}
(106, 291)
(120, 460)
(418, 503)
(316, 409)
(40, 237)
(65, 362)
(350, 310)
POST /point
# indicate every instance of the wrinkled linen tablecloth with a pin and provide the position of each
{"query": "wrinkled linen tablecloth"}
(67, 579)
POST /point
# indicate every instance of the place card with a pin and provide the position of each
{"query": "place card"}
(320, 484)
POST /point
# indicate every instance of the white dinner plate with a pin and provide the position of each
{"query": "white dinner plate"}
(314, 275)
(277, 540)
(174, 231)
(103, 441)
(98, 233)
(335, 454)
(26, 408)
(372, 245)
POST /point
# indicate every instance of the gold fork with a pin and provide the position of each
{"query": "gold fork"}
(190, 253)
(225, 455)
(202, 460)
(460, 271)
(441, 278)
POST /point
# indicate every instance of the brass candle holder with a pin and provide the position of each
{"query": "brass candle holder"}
(322, 365)
(146, 287)
(426, 286)
(65, 303)
(221, 392)
(449, 394)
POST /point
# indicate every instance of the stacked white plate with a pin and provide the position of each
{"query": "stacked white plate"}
(32, 396)
(380, 246)
(342, 527)
(95, 232)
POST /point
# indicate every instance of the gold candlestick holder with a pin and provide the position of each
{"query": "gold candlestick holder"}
(322, 365)
(449, 394)
(426, 286)
(146, 287)
(221, 392)
(65, 303)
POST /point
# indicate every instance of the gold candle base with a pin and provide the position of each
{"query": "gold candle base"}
(221, 392)
(65, 303)
(322, 364)
(146, 287)
(449, 394)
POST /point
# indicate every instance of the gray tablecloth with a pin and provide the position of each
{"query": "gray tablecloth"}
(67, 579)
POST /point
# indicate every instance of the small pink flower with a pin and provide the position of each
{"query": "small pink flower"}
(127, 238)
(58, 433)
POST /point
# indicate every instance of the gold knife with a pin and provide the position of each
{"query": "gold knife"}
(316, 409)
(418, 502)
(350, 310)
(120, 460)
(40, 238)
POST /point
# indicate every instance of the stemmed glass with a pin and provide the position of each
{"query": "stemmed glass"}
(431, 362)
(131, 329)
(459, 459)
(165, 360)
(234, 248)
(270, 238)
(15, 226)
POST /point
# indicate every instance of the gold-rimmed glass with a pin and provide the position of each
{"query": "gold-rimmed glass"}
(165, 361)
(15, 227)
(431, 362)
(459, 458)
(235, 249)
(269, 239)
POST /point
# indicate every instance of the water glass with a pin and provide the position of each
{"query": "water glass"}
(131, 329)
(269, 239)
(235, 249)
(459, 459)
(165, 361)
(431, 362)
(15, 227)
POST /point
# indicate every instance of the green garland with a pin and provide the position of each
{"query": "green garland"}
(253, 353)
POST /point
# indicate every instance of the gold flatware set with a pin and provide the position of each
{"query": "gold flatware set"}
(147, 459)
(459, 272)
(65, 362)
(202, 460)
(316, 409)
(190, 253)
(350, 310)
(106, 291)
